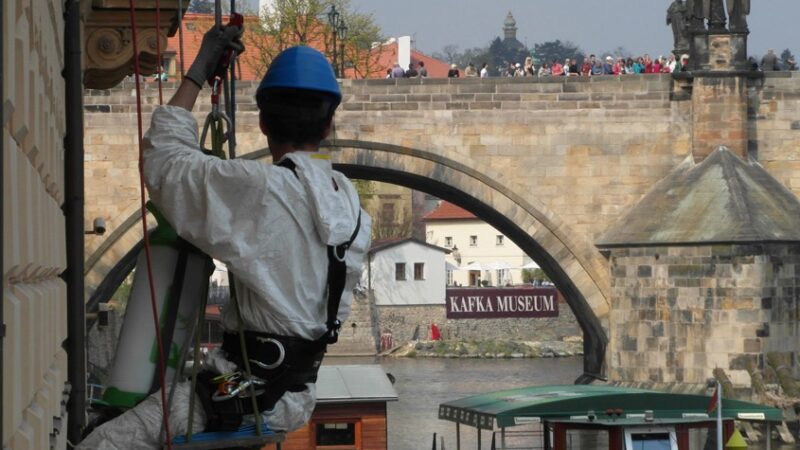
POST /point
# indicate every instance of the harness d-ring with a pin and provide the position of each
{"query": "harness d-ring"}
(281, 354)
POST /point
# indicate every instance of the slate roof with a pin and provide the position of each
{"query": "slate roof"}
(723, 199)
(354, 383)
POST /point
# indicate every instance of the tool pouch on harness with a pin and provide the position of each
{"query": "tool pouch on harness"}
(282, 363)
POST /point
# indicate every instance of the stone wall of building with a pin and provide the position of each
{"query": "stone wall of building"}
(678, 312)
(34, 297)
(404, 321)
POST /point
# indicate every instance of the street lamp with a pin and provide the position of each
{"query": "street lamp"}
(342, 29)
(333, 20)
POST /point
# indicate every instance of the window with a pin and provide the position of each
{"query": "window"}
(387, 213)
(499, 239)
(473, 241)
(400, 271)
(449, 277)
(448, 241)
(419, 271)
(336, 434)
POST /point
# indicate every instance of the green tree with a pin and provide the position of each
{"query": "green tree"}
(556, 50)
(534, 275)
(304, 22)
(502, 54)
(788, 60)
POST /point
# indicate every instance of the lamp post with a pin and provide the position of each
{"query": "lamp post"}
(333, 20)
(342, 31)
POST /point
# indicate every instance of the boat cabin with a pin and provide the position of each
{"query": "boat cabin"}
(350, 412)
(598, 417)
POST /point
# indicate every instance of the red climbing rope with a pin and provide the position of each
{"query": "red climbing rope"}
(159, 69)
(156, 322)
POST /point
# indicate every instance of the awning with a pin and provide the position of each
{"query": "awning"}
(534, 404)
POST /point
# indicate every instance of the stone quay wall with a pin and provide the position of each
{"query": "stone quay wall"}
(679, 312)
(404, 321)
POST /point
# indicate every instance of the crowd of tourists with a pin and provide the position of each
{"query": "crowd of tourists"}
(592, 66)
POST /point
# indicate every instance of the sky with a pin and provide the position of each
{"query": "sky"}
(595, 25)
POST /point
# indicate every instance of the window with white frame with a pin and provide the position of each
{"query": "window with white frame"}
(449, 277)
(448, 241)
(473, 241)
(499, 240)
(419, 271)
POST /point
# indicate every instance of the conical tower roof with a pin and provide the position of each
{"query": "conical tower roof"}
(723, 199)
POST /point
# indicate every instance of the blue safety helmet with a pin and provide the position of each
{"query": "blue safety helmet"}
(304, 68)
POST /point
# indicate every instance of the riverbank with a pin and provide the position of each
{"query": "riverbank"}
(492, 349)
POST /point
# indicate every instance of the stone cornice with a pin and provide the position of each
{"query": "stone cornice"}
(108, 42)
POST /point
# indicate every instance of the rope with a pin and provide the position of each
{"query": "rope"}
(180, 35)
(161, 365)
(158, 55)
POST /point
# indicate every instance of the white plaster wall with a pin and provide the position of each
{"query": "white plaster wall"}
(388, 291)
(486, 250)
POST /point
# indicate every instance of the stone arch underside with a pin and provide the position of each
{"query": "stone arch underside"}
(575, 265)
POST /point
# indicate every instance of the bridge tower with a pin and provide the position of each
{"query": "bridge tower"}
(705, 269)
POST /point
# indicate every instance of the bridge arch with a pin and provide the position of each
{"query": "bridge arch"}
(575, 265)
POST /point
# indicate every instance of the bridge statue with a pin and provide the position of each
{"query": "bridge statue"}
(678, 17)
(698, 11)
(717, 17)
(737, 15)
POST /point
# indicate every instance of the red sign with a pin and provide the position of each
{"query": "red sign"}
(496, 303)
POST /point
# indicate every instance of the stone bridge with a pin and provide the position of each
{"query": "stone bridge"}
(552, 163)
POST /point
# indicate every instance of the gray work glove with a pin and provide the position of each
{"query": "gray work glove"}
(215, 42)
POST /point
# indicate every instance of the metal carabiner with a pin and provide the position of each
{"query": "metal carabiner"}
(213, 118)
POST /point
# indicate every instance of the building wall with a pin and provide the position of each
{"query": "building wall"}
(485, 251)
(372, 425)
(404, 321)
(34, 297)
(678, 312)
(389, 291)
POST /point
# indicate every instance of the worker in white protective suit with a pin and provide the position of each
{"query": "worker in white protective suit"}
(284, 231)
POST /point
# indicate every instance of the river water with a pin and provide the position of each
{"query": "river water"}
(424, 383)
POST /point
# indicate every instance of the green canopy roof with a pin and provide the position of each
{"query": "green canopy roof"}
(526, 405)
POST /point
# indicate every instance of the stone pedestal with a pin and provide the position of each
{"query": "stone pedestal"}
(719, 93)
(719, 103)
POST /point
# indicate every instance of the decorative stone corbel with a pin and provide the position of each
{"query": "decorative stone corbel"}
(108, 42)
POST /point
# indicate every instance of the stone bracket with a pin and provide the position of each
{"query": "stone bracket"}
(108, 41)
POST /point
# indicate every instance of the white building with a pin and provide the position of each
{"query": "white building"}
(478, 249)
(407, 272)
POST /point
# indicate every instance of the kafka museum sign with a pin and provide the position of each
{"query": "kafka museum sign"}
(502, 303)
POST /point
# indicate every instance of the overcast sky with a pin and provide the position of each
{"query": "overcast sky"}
(595, 25)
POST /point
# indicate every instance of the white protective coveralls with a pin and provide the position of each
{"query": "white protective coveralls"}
(271, 228)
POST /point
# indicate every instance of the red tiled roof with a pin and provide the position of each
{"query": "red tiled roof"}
(195, 25)
(387, 57)
(449, 211)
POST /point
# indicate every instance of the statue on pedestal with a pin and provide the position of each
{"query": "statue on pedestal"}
(737, 15)
(717, 18)
(698, 11)
(678, 17)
